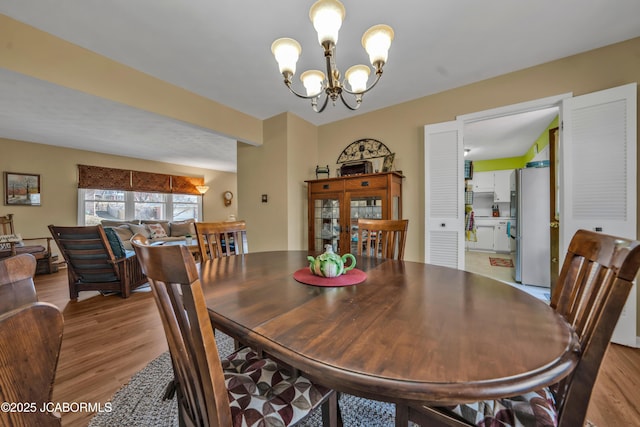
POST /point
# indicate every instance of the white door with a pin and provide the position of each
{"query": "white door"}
(598, 175)
(444, 194)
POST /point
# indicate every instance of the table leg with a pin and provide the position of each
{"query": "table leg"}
(402, 415)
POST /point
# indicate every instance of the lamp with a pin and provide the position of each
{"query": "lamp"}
(202, 189)
(327, 17)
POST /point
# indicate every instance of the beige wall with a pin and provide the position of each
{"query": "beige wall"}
(401, 127)
(278, 169)
(262, 170)
(301, 163)
(58, 170)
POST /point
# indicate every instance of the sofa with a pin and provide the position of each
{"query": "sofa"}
(154, 230)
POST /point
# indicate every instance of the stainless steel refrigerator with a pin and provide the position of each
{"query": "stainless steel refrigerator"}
(532, 231)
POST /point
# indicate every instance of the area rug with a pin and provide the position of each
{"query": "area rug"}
(501, 262)
(140, 403)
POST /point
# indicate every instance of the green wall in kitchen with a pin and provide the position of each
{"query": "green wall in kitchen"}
(498, 164)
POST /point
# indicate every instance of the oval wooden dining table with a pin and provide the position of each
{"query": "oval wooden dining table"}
(410, 333)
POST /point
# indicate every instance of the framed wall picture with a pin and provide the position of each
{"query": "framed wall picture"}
(21, 189)
(387, 165)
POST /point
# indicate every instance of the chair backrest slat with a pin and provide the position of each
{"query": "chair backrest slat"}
(173, 276)
(593, 286)
(218, 239)
(35, 330)
(16, 282)
(6, 222)
(382, 238)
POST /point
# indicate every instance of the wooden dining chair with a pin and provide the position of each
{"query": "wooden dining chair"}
(31, 336)
(242, 388)
(218, 239)
(16, 282)
(382, 238)
(591, 291)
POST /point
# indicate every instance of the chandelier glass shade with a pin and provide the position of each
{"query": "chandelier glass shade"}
(327, 17)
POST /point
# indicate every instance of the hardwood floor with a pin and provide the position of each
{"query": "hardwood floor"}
(107, 339)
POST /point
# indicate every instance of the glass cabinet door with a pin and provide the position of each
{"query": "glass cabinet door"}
(363, 206)
(326, 222)
(336, 204)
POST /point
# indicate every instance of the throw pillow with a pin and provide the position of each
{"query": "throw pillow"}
(114, 241)
(162, 222)
(5, 240)
(124, 232)
(156, 231)
(125, 235)
(142, 229)
(180, 229)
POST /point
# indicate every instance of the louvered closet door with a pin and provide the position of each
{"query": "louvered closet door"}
(598, 179)
(444, 197)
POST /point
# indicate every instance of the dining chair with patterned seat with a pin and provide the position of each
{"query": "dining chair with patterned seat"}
(31, 336)
(382, 238)
(592, 288)
(218, 239)
(240, 389)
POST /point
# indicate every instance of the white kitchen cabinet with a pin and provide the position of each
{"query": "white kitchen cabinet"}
(483, 182)
(485, 236)
(501, 238)
(502, 185)
(492, 235)
(496, 182)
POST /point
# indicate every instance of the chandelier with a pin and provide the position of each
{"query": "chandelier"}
(327, 16)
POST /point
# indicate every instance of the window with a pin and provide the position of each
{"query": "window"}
(94, 205)
(122, 194)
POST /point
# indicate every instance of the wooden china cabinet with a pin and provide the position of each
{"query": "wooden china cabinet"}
(335, 204)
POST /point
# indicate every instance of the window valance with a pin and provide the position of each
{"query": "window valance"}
(128, 180)
(150, 182)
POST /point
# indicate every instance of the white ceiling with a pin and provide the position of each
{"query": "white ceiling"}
(38, 111)
(507, 136)
(221, 50)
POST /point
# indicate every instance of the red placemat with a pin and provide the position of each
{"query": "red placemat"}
(351, 277)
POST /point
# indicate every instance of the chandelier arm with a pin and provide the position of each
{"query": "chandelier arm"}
(324, 105)
(378, 75)
(358, 102)
(299, 95)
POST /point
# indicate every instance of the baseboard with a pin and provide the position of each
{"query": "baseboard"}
(637, 342)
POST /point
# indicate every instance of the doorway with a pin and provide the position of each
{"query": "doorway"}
(587, 120)
(502, 141)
